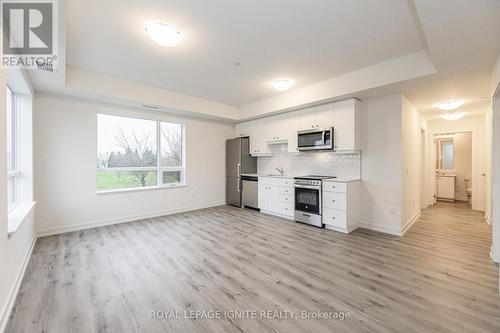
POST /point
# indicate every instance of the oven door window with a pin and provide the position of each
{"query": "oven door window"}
(313, 139)
(307, 200)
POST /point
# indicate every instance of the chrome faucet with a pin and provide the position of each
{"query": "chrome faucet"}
(280, 170)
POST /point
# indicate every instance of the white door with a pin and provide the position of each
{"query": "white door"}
(263, 197)
(274, 198)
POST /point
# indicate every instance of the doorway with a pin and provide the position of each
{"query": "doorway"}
(454, 167)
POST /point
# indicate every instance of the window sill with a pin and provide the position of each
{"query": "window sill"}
(18, 215)
(140, 189)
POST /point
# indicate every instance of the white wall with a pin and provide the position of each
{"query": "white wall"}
(412, 124)
(476, 125)
(65, 168)
(14, 249)
(381, 164)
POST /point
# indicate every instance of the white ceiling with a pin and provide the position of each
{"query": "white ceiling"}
(309, 41)
(463, 39)
(306, 40)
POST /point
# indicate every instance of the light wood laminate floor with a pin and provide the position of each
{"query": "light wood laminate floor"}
(437, 278)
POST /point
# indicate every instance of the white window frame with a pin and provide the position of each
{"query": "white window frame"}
(158, 168)
(14, 174)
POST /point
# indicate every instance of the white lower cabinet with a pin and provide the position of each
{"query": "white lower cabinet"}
(276, 196)
(341, 205)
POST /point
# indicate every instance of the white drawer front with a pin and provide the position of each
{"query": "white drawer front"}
(335, 187)
(335, 217)
(286, 198)
(286, 191)
(286, 209)
(283, 182)
(335, 200)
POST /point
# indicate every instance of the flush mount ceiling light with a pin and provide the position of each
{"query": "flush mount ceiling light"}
(453, 115)
(282, 84)
(450, 105)
(163, 34)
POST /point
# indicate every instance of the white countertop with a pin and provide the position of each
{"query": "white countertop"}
(274, 176)
(338, 180)
(342, 180)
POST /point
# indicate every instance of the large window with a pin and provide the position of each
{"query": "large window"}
(137, 153)
(12, 150)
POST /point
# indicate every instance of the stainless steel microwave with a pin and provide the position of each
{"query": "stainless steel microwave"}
(315, 139)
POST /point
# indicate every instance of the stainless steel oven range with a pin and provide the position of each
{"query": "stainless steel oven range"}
(308, 200)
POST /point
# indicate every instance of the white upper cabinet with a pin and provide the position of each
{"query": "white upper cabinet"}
(343, 116)
(346, 125)
(324, 115)
(307, 118)
(258, 137)
(278, 128)
(293, 128)
(242, 129)
(320, 116)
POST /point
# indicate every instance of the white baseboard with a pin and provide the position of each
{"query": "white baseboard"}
(487, 217)
(342, 230)
(381, 228)
(391, 230)
(4, 315)
(492, 255)
(263, 211)
(124, 219)
(408, 224)
(428, 203)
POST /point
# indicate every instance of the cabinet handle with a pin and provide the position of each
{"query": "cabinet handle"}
(333, 217)
(333, 200)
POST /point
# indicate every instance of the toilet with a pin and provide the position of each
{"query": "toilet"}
(468, 190)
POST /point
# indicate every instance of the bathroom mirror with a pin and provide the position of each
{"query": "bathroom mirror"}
(445, 154)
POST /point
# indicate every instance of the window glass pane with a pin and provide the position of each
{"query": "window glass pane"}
(10, 132)
(125, 142)
(172, 177)
(171, 144)
(114, 180)
(11, 192)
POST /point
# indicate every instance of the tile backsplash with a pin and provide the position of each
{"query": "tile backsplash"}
(325, 163)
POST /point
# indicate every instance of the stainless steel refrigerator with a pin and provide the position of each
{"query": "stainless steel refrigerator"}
(238, 162)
